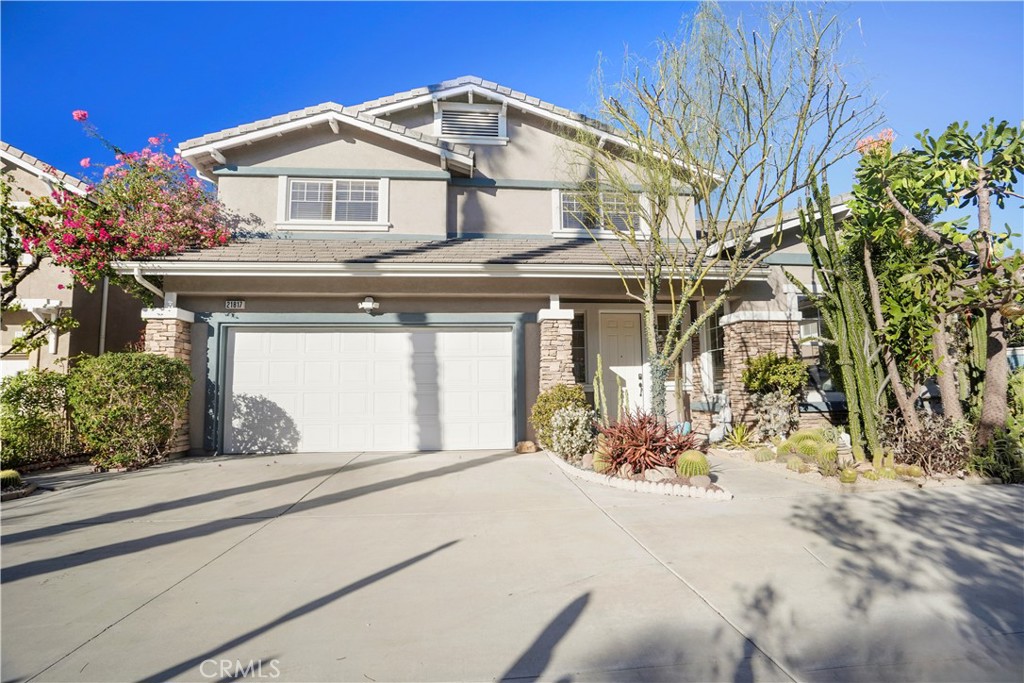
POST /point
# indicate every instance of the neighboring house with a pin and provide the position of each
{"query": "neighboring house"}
(422, 277)
(108, 317)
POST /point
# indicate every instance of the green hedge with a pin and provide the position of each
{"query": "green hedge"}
(124, 405)
(550, 402)
(34, 424)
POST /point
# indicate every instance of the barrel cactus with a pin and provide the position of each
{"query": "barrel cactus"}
(692, 463)
(10, 479)
(871, 475)
(764, 455)
(887, 473)
(796, 464)
(848, 475)
(602, 459)
(915, 471)
(808, 448)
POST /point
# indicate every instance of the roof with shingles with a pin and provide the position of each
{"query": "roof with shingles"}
(465, 250)
(300, 114)
(507, 92)
(42, 167)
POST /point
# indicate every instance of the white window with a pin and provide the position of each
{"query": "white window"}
(332, 204)
(480, 124)
(574, 218)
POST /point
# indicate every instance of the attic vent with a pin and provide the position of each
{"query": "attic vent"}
(470, 124)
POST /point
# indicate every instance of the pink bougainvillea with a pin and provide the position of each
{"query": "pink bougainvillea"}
(80, 115)
(85, 162)
(146, 204)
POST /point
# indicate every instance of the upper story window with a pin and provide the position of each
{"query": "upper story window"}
(333, 204)
(576, 214)
(480, 124)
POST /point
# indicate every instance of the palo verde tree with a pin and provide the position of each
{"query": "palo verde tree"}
(964, 267)
(144, 205)
(704, 145)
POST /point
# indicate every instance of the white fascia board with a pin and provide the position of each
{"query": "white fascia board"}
(793, 222)
(759, 316)
(324, 117)
(39, 304)
(255, 269)
(39, 173)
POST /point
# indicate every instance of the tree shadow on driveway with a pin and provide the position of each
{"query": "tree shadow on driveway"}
(121, 548)
(302, 610)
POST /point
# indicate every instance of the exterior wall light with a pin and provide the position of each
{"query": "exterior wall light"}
(368, 305)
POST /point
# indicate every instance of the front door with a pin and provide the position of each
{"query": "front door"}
(621, 356)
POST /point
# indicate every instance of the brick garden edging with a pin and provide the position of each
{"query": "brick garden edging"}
(665, 489)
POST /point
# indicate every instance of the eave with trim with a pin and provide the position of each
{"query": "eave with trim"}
(206, 157)
(457, 270)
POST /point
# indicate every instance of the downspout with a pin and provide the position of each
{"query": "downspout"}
(103, 316)
(137, 273)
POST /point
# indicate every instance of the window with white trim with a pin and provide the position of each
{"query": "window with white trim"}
(471, 123)
(333, 203)
(612, 211)
(579, 348)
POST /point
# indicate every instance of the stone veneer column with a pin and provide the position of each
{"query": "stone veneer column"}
(169, 333)
(745, 339)
(555, 345)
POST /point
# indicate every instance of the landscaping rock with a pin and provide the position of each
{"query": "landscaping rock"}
(526, 447)
(625, 471)
(700, 481)
(659, 474)
(588, 461)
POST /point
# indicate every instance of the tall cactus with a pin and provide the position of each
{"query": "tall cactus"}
(600, 402)
(841, 305)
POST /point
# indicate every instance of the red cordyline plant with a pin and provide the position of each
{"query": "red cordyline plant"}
(642, 442)
(144, 205)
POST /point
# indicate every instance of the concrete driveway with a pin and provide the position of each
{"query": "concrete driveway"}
(492, 566)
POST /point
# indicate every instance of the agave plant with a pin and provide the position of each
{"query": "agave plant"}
(741, 436)
(642, 442)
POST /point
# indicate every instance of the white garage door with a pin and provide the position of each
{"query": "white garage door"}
(309, 390)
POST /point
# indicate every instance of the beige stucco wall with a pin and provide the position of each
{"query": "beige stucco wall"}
(535, 153)
(319, 147)
(415, 207)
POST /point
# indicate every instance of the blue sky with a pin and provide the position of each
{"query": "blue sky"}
(186, 69)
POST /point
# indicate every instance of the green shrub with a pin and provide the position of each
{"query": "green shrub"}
(125, 405)
(692, 463)
(33, 418)
(772, 372)
(9, 479)
(550, 402)
(572, 432)
(1004, 456)
(764, 455)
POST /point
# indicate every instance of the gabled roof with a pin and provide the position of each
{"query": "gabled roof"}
(207, 151)
(489, 89)
(41, 169)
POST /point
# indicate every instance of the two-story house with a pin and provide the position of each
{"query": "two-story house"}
(108, 317)
(423, 273)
